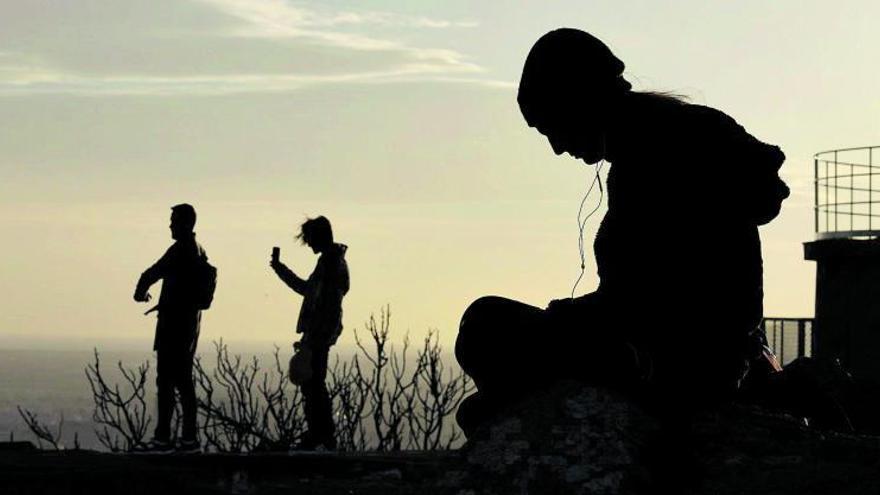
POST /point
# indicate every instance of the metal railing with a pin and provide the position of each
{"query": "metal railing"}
(844, 193)
(790, 338)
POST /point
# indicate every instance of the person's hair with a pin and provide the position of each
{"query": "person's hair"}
(567, 63)
(663, 96)
(186, 214)
(316, 231)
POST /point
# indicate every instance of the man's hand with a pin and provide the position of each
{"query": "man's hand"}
(560, 304)
(275, 264)
(561, 310)
(142, 297)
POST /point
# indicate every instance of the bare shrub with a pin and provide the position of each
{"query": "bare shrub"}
(348, 391)
(438, 391)
(383, 398)
(388, 389)
(253, 410)
(41, 431)
(409, 408)
(121, 414)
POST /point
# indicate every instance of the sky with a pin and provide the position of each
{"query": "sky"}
(396, 120)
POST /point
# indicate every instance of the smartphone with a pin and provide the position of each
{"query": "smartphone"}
(276, 252)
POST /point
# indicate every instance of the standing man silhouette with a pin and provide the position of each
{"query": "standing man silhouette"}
(320, 323)
(177, 328)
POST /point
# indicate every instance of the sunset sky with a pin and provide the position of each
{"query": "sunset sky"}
(395, 119)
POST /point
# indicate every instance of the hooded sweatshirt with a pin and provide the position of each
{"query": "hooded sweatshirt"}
(679, 249)
(320, 316)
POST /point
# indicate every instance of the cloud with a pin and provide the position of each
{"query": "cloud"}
(29, 82)
(264, 46)
(20, 70)
(278, 17)
(391, 19)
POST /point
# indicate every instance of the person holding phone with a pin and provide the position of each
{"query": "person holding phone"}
(319, 322)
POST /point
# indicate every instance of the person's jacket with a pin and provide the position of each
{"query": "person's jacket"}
(177, 270)
(320, 317)
(679, 248)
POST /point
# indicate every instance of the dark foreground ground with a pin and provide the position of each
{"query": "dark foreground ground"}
(82, 472)
(569, 439)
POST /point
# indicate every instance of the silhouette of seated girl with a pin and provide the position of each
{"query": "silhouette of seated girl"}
(679, 304)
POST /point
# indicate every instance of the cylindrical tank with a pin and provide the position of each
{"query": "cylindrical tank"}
(847, 256)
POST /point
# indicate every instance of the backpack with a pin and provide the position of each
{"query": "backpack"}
(205, 283)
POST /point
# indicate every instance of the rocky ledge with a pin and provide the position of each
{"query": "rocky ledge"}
(570, 439)
(574, 439)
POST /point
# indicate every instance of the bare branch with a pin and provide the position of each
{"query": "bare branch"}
(42, 431)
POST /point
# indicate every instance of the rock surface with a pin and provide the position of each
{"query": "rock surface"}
(569, 439)
(574, 439)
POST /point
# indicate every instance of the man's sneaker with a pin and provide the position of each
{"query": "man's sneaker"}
(155, 446)
(189, 447)
(327, 446)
